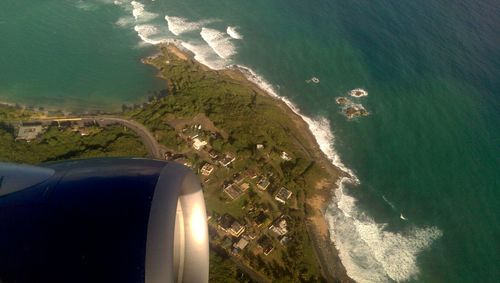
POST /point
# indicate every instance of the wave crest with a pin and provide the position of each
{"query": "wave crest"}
(233, 32)
(140, 14)
(179, 25)
(219, 42)
(369, 252)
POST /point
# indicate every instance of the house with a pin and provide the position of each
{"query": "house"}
(236, 229)
(29, 132)
(227, 159)
(266, 244)
(285, 156)
(251, 174)
(233, 191)
(263, 184)
(238, 178)
(213, 154)
(241, 244)
(280, 227)
(225, 222)
(199, 144)
(285, 240)
(260, 219)
(245, 186)
(283, 195)
(207, 169)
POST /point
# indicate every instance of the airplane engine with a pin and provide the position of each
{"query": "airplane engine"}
(102, 220)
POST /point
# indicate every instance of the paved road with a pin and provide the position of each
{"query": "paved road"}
(146, 136)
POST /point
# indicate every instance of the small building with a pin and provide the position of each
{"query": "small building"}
(260, 146)
(245, 186)
(236, 229)
(238, 178)
(263, 184)
(233, 191)
(29, 132)
(266, 244)
(260, 219)
(280, 227)
(285, 240)
(285, 156)
(199, 144)
(225, 222)
(251, 174)
(241, 244)
(207, 169)
(283, 195)
(213, 154)
(227, 160)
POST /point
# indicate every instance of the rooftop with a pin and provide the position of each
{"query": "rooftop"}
(283, 195)
(29, 132)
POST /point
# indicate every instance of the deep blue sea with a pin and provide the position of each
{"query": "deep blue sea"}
(423, 201)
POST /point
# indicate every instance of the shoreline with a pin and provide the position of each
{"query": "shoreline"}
(318, 201)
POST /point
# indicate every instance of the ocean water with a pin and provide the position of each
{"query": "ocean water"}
(423, 200)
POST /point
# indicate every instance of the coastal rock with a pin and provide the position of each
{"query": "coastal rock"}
(343, 101)
(355, 110)
(358, 92)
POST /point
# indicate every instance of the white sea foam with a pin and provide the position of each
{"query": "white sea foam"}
(147, 34)
(179, 25)
(233, 32)
(140, 14)
(86, 6)
(219, 42)
(205, 55)
(125, 22)
(369, 252)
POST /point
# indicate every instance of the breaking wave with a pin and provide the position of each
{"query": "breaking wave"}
(233, 32)
(219, 42)
(205, 55)
(140, 14)
(179, 25)
(369, 252)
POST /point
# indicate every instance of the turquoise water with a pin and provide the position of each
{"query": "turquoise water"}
(64, 54)
(427, 204)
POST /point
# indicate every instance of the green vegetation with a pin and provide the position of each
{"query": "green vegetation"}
(14, 113)
(248, 118)
(223, 270)
(57, 144)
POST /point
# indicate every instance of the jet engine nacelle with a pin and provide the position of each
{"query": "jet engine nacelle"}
(102, 220)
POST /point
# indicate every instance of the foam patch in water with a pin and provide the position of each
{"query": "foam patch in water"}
(179, 25)
(219, 42)
(233, 32)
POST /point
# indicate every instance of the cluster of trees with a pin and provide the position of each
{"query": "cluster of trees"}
(57, 144)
